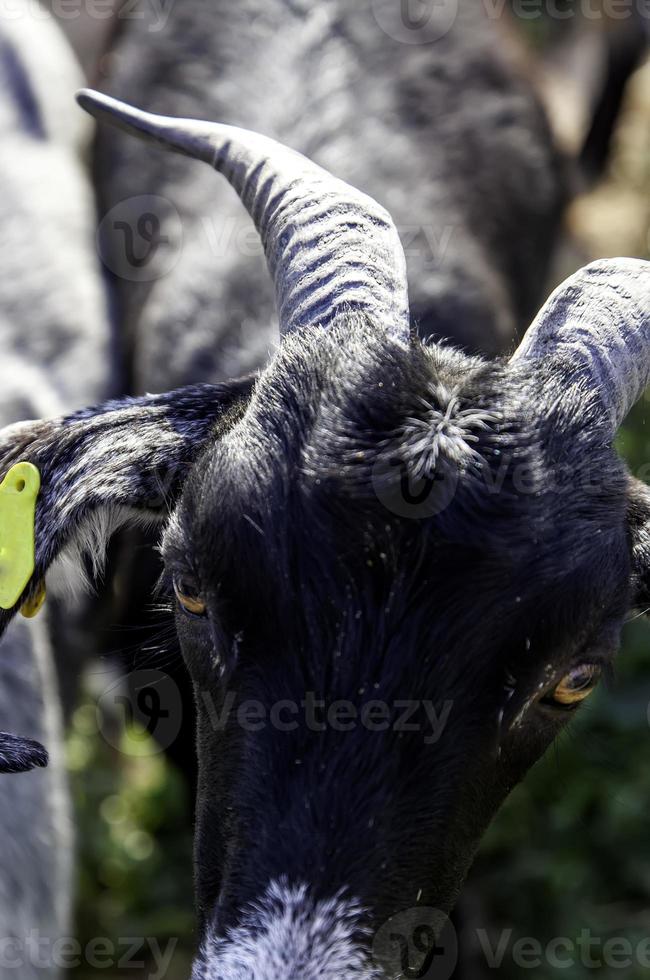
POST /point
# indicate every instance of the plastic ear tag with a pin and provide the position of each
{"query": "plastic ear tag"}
(30, 607)
(18, 493)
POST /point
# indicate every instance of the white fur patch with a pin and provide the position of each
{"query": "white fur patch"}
(286, 935)
(443, 430)
(82, 560)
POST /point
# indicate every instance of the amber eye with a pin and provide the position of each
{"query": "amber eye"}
(575, 686)
(186, 594)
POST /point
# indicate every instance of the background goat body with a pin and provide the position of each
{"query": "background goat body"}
(56, 355)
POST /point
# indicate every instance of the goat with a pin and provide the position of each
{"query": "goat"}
(455, 119)
(55, 331)
(303, 575)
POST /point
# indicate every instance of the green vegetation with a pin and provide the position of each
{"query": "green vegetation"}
(134, 848)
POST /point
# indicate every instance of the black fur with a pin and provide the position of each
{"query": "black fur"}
(16, 80)
(627, 44)
(313, 585)
(122, 457)
(639, 517)
(20, 754)
(290, 526)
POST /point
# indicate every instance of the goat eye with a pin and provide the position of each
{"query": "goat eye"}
(188, 598)
(575, 686)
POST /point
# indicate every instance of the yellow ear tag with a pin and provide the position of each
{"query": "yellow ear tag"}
(18, 493)
(30, 607)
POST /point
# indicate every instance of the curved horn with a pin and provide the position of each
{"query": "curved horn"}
(600, 318)
(328, 246)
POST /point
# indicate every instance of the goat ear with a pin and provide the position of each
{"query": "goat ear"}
(20, 754)
(639, 524)
(106, 466)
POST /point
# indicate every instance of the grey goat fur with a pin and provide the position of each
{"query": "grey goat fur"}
(447, 136)
(55, 356)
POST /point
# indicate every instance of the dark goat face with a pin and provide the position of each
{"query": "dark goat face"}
(398, 569)
(371, 683)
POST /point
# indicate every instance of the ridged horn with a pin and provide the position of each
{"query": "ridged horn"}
(329, 247)
(600, 319)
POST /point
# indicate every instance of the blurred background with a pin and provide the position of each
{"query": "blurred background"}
(571, 848)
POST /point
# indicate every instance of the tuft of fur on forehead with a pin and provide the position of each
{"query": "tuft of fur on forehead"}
(442, 429)
(309, 469)
(337, 410)
(356, 395)
(286, 933)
